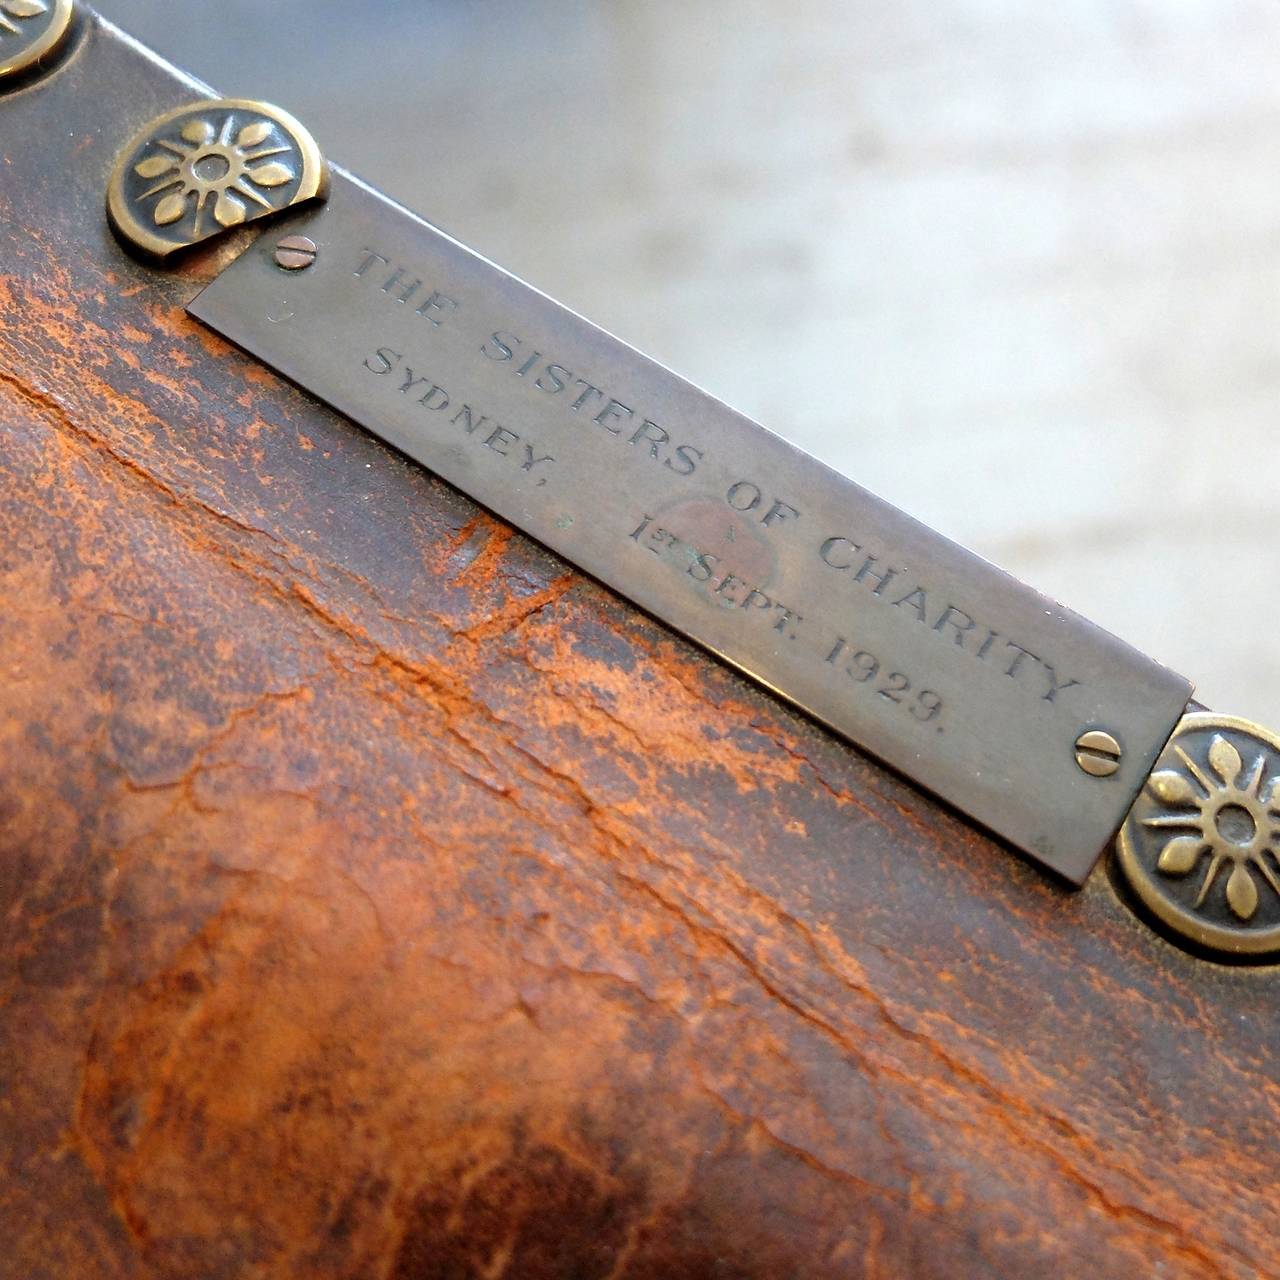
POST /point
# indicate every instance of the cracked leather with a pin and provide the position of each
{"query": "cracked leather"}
(379, 898)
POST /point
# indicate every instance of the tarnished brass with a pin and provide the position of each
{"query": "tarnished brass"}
(1200, 846)
(208, 167)
(1098, 753)
(29, 31)
(971, 683)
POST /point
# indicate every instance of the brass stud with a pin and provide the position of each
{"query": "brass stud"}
(1198, 849)
(210, 167)
(31, 30)
(1098, 753)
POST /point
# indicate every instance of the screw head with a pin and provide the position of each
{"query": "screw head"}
(296, 253)
(1098, 753)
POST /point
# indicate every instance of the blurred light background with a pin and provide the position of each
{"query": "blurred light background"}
(1015, 267)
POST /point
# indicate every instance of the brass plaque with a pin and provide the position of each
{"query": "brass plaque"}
(1037, 724)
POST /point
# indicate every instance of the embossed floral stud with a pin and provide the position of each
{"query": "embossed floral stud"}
(1201, 847)
(210, 167)
(30, 30)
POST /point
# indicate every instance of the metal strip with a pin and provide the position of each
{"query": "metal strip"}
(963, 678)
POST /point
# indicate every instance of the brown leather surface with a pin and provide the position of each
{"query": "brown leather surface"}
(378, 898)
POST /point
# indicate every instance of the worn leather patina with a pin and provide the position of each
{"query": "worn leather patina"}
(379, 898)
